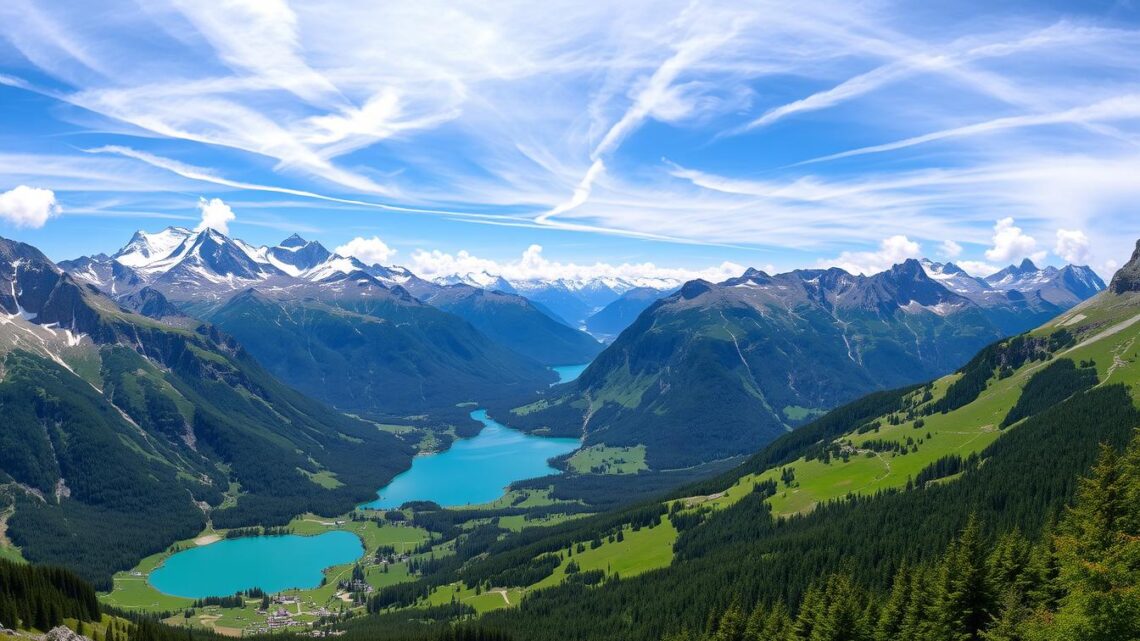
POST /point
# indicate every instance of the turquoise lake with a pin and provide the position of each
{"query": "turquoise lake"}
(272, 563)
(474, 470)
(567, 373)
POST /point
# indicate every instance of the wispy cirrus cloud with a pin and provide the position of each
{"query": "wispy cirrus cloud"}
(822, 127)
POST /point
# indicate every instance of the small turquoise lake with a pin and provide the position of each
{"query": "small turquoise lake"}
(272, 563)
(474, 470)
(567, 373)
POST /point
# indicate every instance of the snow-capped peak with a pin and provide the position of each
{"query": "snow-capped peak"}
(145, 249)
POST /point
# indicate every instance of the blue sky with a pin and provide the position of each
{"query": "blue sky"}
(698, 137)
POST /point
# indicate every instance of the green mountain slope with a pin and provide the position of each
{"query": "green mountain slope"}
(379, 354)
(513, 321)
(892, 480)
(719, 370)
(121, 433)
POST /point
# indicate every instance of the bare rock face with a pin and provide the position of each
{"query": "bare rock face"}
(63, 633)
(1128, 278)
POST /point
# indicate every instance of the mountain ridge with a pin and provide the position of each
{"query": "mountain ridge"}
(761, 353)
(134, 430)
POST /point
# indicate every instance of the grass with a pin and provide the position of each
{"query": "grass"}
(967, 430)
(603, 459)
(482, 602)
(8, 551)
(517, 498)
(404, 539)
(394, 428)
(641, 551)
(797, 413)
(517, 522)
(324, 478)
(11, 553)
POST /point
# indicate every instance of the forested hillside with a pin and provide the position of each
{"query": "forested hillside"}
(122, 433)
(1077, 580)
(954, 492)
(377, 353)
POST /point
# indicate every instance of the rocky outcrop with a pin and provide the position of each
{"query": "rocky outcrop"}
(1128, 278)
(63, 633)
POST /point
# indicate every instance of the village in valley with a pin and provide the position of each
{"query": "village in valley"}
(393, 552)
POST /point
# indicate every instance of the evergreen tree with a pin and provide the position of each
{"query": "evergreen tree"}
(777, 625)
(1010, 624)
(893, 613)
(962, 600)
(839, 613)
(1099, 552)
(808, 613)
(731, 625)
(1008, 564)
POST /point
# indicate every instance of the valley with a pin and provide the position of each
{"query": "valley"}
(669, 320)
(474, 470)
(566, 494)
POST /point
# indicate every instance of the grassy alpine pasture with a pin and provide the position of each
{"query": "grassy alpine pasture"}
(517, 522)
(639, 551)
(8, 551)
(481, 600)
(1107, 332)
(605, 459)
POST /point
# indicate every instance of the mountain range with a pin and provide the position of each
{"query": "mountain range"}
(350, 334)
(135, 431)
(719, 369)
(572, 300)
(124, 433)
(995, 502)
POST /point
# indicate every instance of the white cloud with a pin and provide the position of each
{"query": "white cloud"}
(1125, 107)
(950, 249)
(891, 251)
(977, 267)
(505, 108)
(28, 206)
(533, 265)
(369, 250)
(216, 215)
(1073, 246)
(1010, 244)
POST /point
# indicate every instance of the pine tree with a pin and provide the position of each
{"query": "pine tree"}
(916, 619)
(731, 625)
(962, 600)
(808, 613)
(891, 617)
(1099, 552)
(1010, 624)
(1044, 592)
(778, 624)
(1008, 564)
(840, 612)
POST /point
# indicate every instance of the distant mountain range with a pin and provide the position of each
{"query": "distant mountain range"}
(573, 301)
(369, 339)
(1020, 296)
(719, 369)
(134, 431)
(957, 486)
(612, 319)
(766, 352)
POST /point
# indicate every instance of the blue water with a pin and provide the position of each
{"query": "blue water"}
(474, 470)
(272, 563)
(567, 373)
